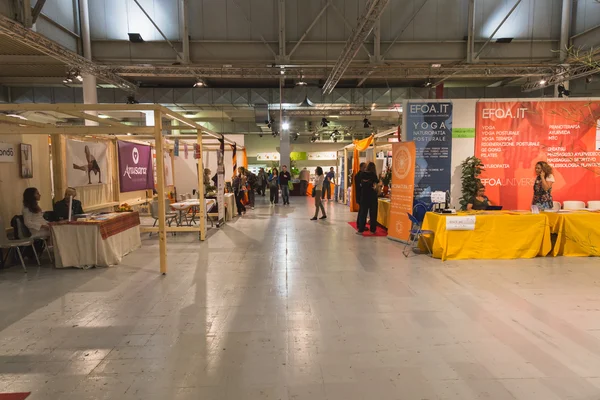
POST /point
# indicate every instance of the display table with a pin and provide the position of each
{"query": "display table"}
(383, 211)
(183, 207)
(102, 241)
(497, 235)
(578, 233)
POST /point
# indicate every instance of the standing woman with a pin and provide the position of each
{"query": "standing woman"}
(274, 186)
(542, 188)
(368, 199)
(318, 184)
(238, 190)
(33, 217)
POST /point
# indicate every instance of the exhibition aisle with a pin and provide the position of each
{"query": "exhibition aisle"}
(274, 305)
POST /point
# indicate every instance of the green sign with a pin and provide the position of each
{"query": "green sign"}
(462, 133)
(298, 156)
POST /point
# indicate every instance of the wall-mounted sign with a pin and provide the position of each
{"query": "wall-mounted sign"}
(322, 155)
(7, 152)
(267, 156)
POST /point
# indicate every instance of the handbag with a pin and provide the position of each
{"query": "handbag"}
(314, 191)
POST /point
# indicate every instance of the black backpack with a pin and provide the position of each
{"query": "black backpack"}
(252, 180)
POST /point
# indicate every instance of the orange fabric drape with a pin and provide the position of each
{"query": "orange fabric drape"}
(359, 145)
(244, 159)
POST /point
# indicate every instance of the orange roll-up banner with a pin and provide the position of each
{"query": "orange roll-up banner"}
(403, 190)
(512, 136)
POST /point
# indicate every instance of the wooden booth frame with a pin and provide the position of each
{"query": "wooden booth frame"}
(111, 129)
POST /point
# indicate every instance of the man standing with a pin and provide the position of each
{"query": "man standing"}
(252, 183)
(61, 208)
(284, 178)
(357, 187)
(304, 177)
(262, 182)
(329, 177)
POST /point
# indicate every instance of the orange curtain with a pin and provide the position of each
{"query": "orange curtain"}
(359, 145)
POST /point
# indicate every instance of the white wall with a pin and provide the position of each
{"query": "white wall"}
(11, 184)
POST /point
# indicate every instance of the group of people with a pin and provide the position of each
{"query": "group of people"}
(542, 190)
(34, 218)
(365, 192)
(246, 183)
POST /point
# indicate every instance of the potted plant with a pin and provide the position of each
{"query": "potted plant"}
(471, 168)
(386, 179)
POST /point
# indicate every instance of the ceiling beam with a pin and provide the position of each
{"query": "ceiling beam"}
(25, 36)
(27, 60)
(37, 9)
(497, 29)
(365, 25)
(179, 58)
(312, 25)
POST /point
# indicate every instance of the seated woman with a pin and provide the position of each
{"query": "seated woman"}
(480, 200)
(33, 216)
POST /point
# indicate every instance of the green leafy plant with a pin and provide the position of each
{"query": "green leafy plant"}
(471, 168)
(387, 178)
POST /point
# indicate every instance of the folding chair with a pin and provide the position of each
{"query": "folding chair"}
(6, 243)
(44, 239)
(416, 233)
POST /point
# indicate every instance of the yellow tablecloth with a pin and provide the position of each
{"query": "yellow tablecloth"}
(383, 212)
(578, 233)
(497, 235)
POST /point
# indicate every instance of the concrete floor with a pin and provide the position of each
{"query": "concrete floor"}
(274, 306)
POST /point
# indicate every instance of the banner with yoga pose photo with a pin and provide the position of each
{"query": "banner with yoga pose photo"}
(86, 163)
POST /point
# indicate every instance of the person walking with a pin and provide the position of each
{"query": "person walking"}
(262, 182)
(318, 185)
(329, 179)
(238, 190)
(251, 186)
(284, 178)
(274, 186)
(368, 199)
(304, 177)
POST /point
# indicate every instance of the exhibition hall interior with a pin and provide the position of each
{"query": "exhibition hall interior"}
(299, 199)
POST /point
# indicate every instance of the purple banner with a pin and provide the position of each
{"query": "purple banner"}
(135, 167)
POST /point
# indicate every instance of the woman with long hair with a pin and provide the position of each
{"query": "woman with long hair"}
(542, 188)
(274, 186)
(33, 217)
(368, 199)
(238, 190)
(318, 184)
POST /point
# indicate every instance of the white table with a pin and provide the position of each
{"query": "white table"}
(184, 206)
(102, 242)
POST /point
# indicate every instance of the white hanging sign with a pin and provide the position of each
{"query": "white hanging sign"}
(267, 156)
(322, 155)
(460, 223)
(7, 152)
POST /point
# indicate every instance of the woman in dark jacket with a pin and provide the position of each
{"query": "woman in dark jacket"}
(368, 199)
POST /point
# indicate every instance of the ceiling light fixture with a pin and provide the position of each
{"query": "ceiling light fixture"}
(436, 65)
(301, 83)
(135, 38)
(562, 91)
(132, 100)
(366, 123)
(200, 83)
(542, 81)
(324, 122)
(285, 126)
(103, 116)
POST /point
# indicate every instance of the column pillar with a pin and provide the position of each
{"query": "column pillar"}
(90, 94)
(565, 37)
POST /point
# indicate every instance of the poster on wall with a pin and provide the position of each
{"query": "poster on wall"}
(7, 152)
(86, 163)
(168, 173)
(135, 167)
(429, 126)
(403, 189)
(26, 161)
(511, 137)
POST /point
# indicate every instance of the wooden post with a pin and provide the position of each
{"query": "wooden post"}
(346, 169)
(160, 179)
(202, 207)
